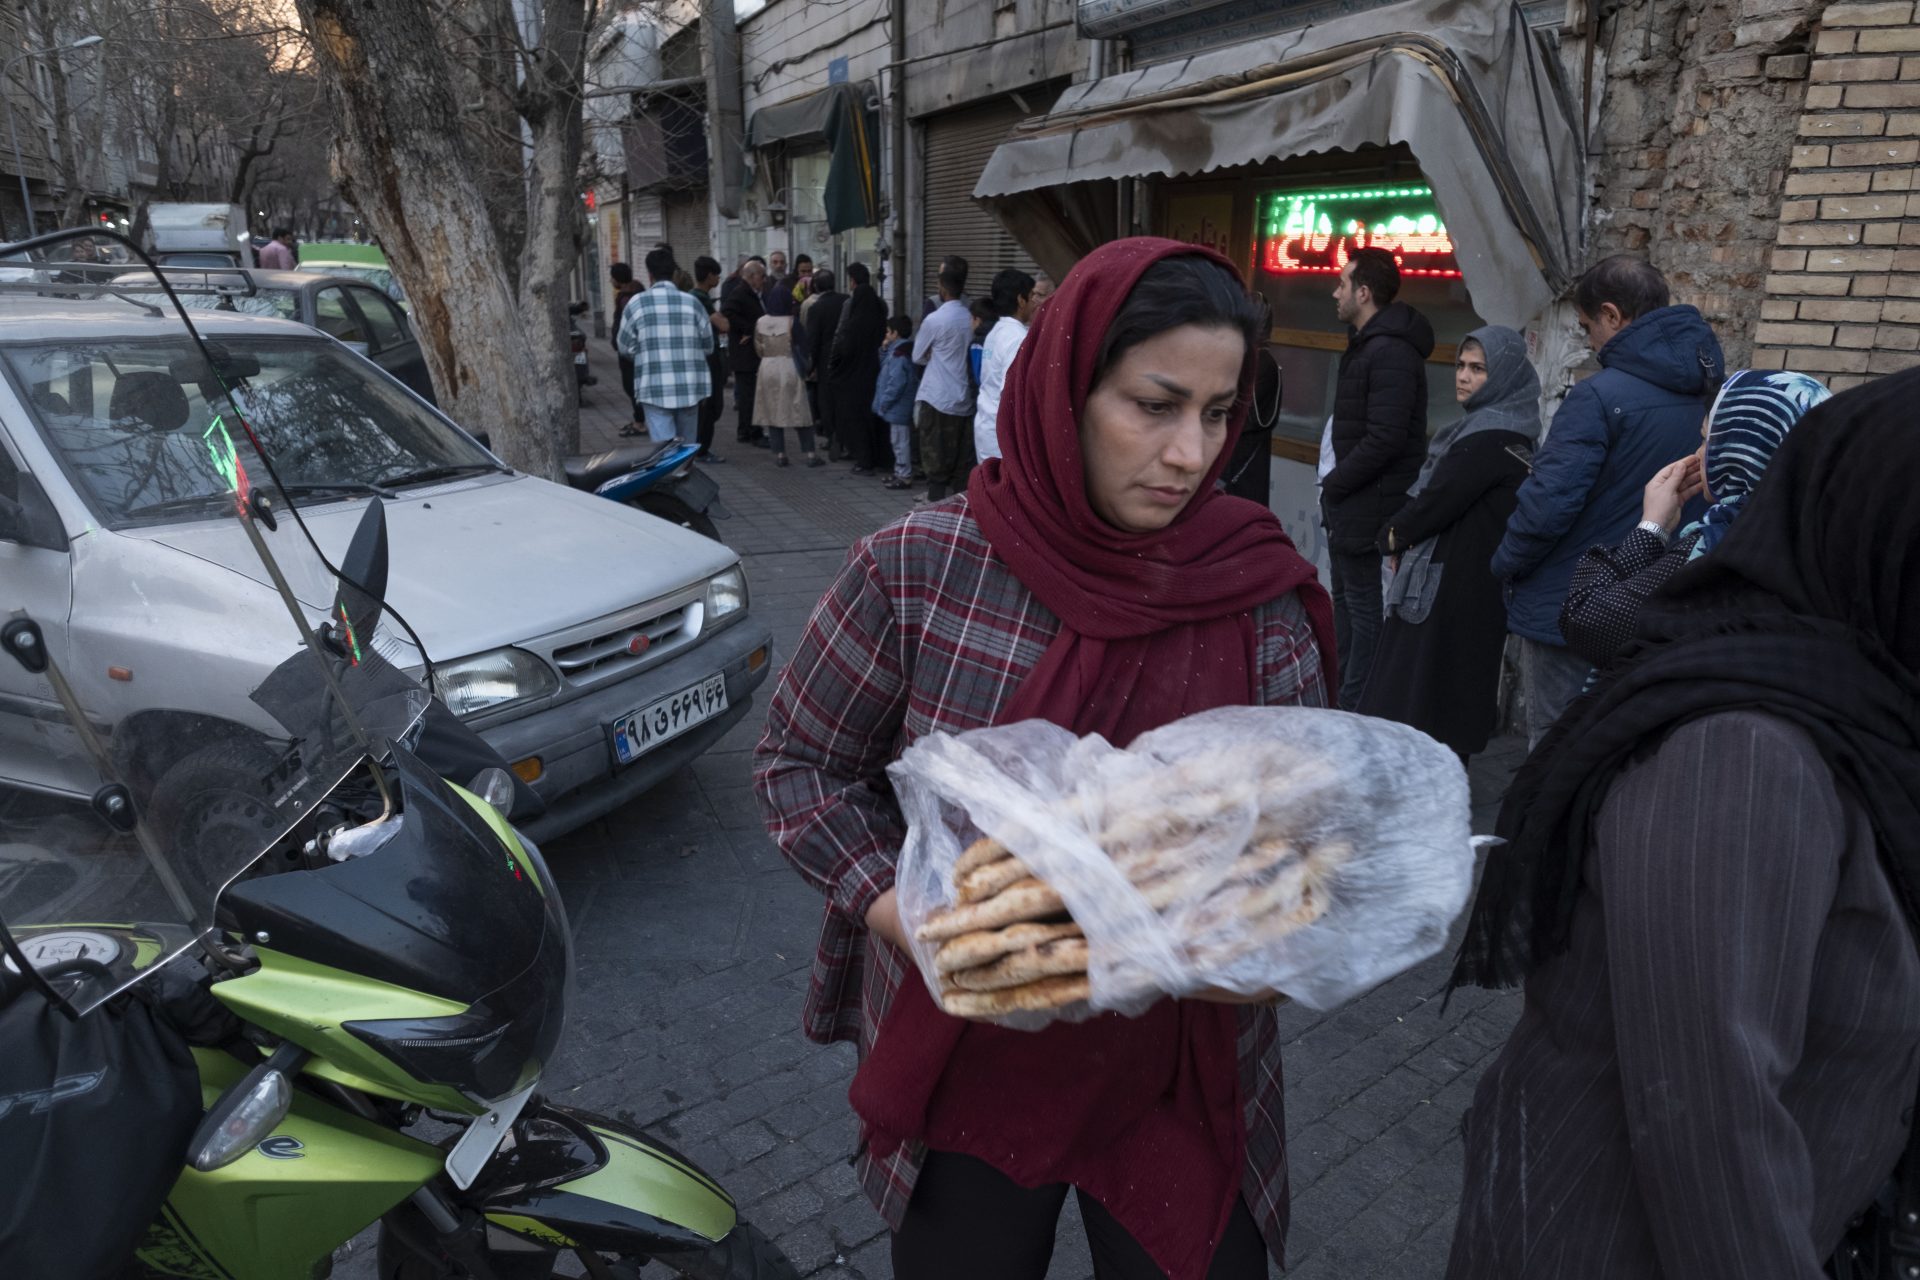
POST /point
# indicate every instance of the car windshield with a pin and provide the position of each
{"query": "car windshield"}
(139, 424)
(195, 259)
(283, 303)
(379, 277)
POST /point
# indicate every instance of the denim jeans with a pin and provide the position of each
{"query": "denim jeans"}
(1356, 619)
(665, 425)
(902, 434)
(779, 435)
(1551, 677)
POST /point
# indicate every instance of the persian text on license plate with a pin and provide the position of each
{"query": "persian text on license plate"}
(647, 728)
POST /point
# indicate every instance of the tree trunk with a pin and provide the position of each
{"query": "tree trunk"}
(65, 154)
(554, 217)
(400, 157)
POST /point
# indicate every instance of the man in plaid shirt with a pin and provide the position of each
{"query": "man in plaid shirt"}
(667, 335)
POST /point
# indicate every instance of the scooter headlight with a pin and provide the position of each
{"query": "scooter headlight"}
(488, 680)
(726, 594)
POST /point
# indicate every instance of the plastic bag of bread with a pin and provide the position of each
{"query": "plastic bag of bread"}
(1253, 849)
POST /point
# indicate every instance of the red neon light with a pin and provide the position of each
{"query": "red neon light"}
(1317, 234)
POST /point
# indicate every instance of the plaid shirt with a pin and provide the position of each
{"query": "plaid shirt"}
(926, 631)
(667, 335)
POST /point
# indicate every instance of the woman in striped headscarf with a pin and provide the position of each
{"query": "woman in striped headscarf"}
(1750, 417)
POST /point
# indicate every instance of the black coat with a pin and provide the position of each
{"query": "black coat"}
(1442, 676)
(742, 308)
(816, 338)
(1379, 426)
(853, 363)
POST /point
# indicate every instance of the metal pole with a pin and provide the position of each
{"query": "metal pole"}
(13, 133)
(897, 109)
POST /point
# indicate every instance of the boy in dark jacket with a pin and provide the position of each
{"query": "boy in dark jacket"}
(893, 397)
(1658, 364)
(1379, 442)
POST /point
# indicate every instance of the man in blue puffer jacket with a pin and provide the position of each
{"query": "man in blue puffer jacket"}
(1659, 365)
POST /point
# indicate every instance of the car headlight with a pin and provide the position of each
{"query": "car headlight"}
(726, 594)
(488, 680)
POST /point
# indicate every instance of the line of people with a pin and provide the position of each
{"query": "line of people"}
(911, 403)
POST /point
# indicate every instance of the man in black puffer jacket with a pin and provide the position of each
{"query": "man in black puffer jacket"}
(1379, 440)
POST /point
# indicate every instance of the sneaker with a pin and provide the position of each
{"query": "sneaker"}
(779, 459)
(897, 482)
(814, 461)
(922, 501)
(711, 459)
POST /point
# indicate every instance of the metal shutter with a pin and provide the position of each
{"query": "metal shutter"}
(686, 223)
(958, 145)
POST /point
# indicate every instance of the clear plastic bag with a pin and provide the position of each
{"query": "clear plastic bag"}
(1251, 849)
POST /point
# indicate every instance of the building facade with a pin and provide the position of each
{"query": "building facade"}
(1761, 153)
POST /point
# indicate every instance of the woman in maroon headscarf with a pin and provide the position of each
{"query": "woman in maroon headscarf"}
(1092, 576)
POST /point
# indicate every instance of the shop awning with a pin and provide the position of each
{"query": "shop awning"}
(1466, 87)
(838, 113)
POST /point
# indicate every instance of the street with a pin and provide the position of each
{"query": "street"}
(695, 941)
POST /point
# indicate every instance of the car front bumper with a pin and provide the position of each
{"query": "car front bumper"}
(579, 778)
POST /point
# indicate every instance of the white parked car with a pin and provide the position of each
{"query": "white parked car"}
(597, 648)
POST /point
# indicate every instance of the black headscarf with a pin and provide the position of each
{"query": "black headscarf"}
(1809, 610)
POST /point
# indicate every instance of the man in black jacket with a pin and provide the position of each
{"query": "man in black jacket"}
(740, 304)
(1379, 440)
(853, 368)
(819, 318)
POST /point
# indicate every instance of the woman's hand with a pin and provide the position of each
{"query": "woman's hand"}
(883, 919)
(1671, 488)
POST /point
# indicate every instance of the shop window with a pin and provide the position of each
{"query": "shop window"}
(1302, 240)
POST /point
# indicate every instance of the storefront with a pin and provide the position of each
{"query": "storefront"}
(815, 187)
(1441, 132)
(957, 146)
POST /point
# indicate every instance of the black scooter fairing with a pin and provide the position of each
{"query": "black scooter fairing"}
(443, 908)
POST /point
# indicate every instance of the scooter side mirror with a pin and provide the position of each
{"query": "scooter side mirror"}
(358, 603)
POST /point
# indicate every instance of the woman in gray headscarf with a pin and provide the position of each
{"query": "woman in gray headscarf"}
(1437, 666)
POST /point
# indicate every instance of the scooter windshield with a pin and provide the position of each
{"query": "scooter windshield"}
(169, 734)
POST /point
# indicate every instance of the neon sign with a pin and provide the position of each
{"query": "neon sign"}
(1317, 231)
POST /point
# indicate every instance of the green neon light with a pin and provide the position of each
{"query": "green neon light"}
(1301, 234)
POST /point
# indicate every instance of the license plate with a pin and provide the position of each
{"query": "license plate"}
(651, 725)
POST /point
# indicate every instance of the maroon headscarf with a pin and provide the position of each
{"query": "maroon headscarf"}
(1153, 626)
(1144, 1114)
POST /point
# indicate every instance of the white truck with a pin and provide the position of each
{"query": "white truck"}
(199, 235)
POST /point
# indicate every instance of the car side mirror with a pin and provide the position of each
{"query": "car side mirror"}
(30, 519)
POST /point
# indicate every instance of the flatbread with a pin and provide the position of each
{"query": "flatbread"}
(1048, 960)
(979, 854)
(1047, 993)
(1028, 899)
(983, 882)
(987, 945)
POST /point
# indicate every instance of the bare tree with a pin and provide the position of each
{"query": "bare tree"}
(425, 99)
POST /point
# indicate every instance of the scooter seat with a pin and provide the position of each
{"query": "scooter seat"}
(591, 470)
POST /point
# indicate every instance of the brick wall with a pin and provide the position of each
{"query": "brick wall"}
(1843, 287)
(1698, 105)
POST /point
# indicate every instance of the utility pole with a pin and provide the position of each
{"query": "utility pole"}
(897, 108)
(726, 131)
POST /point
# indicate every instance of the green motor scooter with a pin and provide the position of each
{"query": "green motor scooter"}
(377, 967)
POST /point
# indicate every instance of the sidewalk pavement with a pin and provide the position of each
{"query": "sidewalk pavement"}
(695, 941)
